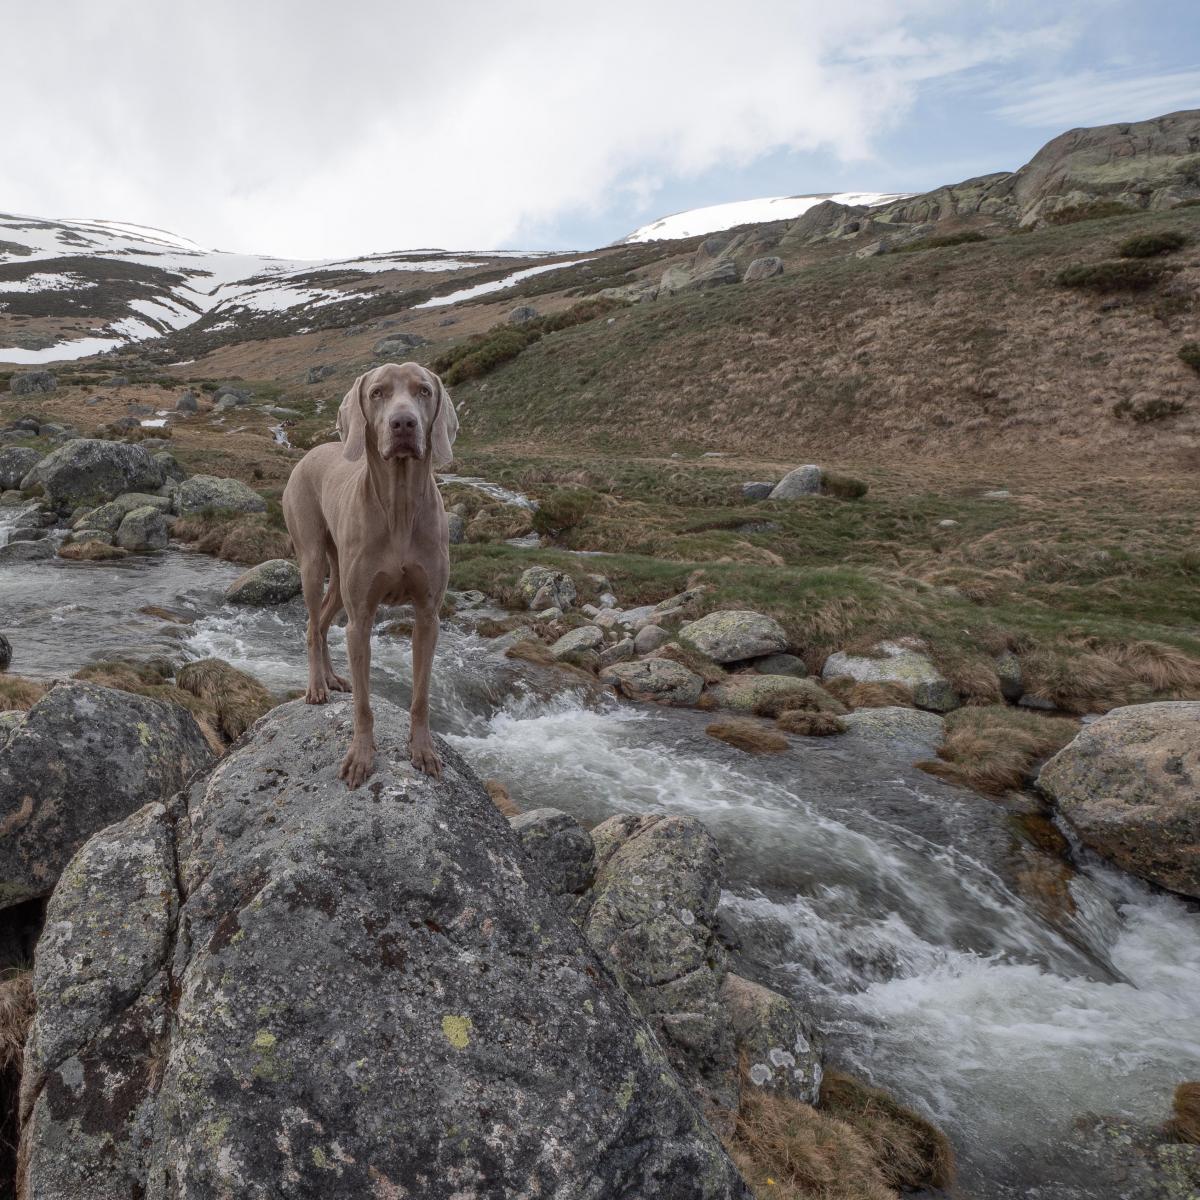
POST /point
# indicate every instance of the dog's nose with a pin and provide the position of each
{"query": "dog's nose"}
(401, 424)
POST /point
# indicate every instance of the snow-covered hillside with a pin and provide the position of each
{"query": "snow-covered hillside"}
(97, 285)
(716, 217)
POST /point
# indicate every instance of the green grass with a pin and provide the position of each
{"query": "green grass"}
(1124, 275)
(1151, 245)
(949, 239)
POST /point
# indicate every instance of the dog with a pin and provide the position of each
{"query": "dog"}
(367, 512)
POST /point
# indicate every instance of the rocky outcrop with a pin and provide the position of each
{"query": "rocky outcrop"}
(212, 493)
(275, 581)
(561, 848)
(143, 528)
(274, 986)
(83, 757)
(107, 518)
(543, 587)
(734, 634)
(1129, 785)
(91, 471)
(763, 268)
(28, 383)
(896, 662)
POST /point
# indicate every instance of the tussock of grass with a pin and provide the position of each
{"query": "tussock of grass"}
(854, 694)
(249, 539)
(563, 509)
(696, 662)
(844, 487)
(19, 693)
(16, 1014)
(810, 724)
(537, 653)
(1184, 1125)
(787, 1150)
(911, 1151)
(995, 749)
(234, 699)
(1150, 245)
(90, 551)
(746, 735)
(1124, 275)
(499, 522)
(500, 797)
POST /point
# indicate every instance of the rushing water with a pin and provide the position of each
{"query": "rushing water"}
(886, 900)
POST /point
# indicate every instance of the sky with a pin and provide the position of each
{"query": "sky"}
(312, 129)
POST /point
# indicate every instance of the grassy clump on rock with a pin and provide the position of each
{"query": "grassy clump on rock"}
(248, 539)
(748, 736)
(18, 693)
(1123, 275)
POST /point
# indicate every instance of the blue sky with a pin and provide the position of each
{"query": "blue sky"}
(305, 129)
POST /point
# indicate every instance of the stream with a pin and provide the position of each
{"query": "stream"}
(881, 897)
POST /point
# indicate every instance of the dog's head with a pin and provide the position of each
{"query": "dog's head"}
(398, 411)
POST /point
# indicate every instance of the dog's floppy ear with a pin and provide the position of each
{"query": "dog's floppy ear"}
(445, 428)
(352, 422)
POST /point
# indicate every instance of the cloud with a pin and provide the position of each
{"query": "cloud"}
(1102, 98)
(304, 128)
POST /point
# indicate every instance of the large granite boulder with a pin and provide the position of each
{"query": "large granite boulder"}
(803, 481)
(275, 581)
(896, 662)
(28, 383)
(656, 679)
(15, 463)
(83, 757)
(764, 268)
(274, 986)
(91, 471)
(143, 528)
(212, 493)
(543, 587)
(732, 635)
(108, 517)
(1129, 785)
(769, 695)
(560, 846)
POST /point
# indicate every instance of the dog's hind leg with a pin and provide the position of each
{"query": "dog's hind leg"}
(331, 605)
(312, 580)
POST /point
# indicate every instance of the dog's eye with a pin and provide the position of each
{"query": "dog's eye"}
(376, 393)
(424, 390)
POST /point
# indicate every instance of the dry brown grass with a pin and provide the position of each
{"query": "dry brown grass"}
(234, 699)
(1184, 1125)
(748, 736)
(538, 653)
(19, 693)
(814, 700)
(697, 663)
(810, 724)
(90, 551)
(249, 540)
(911, 1151)
(500, 797)
(868, 695)
(787, 1150)
(995, 749)
(16, 1015)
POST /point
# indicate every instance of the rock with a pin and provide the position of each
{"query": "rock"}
(15, 463)
(919, 733)
(657, 679)
(169, 465)
(142, 529)
(1008, 668)
(634, 293)
(5, 652)
(521, 314)
(757, 491)
(83, 757)
(733, 634)
(108, 517)
(652, 918)
(1129, 785)
(318, 374)
(763, 268)
(546, 615)
(575, 642)
(28, 551)
(897, 663)
(561, 848)
(803, 481)
(210, 493)
(188, 402)
(781, 664)
(275, 581)
(769, 695)
(948, 523)
(1037, 703)
(236, 396)
(117, 381)
(91, 471)
(618, 652)
(779, 1046)
(457, 527)
(28, 383)
(649, 638)
(298, 990)
(397, 343)
(533, 585)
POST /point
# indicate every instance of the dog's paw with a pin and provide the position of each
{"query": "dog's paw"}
(316, 695)
(337, 683)
(425, 758)
(357, 765)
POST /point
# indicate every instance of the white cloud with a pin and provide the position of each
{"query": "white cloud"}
(1102, 98)
(304, 128)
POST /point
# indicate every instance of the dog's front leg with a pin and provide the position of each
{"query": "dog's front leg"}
(360, 758)
(420, 741)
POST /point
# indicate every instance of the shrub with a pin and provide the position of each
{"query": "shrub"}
(563, 509)
(1095, 210)
(1125, 275)
(949, 239)
(1155, 409)
(1189, 353)
(1150, 245)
